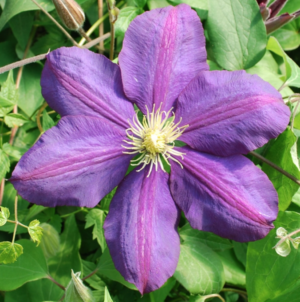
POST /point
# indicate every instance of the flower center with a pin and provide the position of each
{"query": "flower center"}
(154, 138)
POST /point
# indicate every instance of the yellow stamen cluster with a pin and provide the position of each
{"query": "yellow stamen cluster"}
(154, 139)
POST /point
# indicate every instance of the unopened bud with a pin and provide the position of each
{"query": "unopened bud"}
(277, 22)
(265, 12)
(276, 7)
(70, 13)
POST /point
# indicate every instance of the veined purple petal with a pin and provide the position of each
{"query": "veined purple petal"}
(80, 82)
(163, 50)
(75, 163)
(230, 112)
(228, 196)
(141, 230)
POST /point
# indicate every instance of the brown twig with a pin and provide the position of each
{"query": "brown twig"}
(101, 27)
(2, 190)
(285, 173)
(90, 275)
(55, 282)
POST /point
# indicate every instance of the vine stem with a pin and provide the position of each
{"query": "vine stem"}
(285, 173)
(2, 190)
(214, 296)
(56, 23)
(16, 218)
(38, 117)
(19, 223)
(90, 275)
(101, 27)
(55, 282)
(43, 56)
(288, 236)
(112, 41)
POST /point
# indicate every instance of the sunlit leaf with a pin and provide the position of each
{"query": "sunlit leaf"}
(35, 231)
(4, 215)
(10, 252)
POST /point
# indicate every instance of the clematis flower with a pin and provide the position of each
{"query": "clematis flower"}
(219, 115)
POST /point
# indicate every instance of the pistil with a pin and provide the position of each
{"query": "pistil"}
(154, 138)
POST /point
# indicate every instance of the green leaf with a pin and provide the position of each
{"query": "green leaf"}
(281, 154)
(4, 215)
(107, 268)
(234, 271)
(292, 76)
(15, 153)
(240, 250)
(21, 25)
(107, 297)
(139, 3)
(8, 56)
(96, 218)
(34, 210)
(236, 32)
(216, 243)
(50, 241)
(35, 231)
(105, 202)
(30, 266)
(9, 252)
(290, 295)
(9, 95)
(15, 7)
(201, 6)
(4, 164)
(47, 121)
(30, 89)
(199, 269)
(269, 275)
(35, 291)
(76, 291)
(95, 281)
(15, 120)
(157, 3)
(68, 256)
(289, 35)
(126, 15)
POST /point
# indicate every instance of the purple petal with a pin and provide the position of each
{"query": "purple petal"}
(141, 230)
(75, 163)
(163, 50)
(228, 196)
(230, 112)
(277, 22)
(80, 82)
(276, 7)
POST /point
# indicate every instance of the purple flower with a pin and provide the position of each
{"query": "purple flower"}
(219, 115)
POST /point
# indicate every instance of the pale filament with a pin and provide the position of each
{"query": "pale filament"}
(154, 139)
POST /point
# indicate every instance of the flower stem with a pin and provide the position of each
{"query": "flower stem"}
(18, 223)
(2, 190)
(288, 236)
(112, 41)
(55, 282)
(56, 23)
(38, 117)
(101, 27)
(16, 218)
(285, 173)
(213, 296)
(90, 275)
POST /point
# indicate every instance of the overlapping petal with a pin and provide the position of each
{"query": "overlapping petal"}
(230, 112)
(163, 50)
(80, 82)
(141, 230)
(75, 163)
(228, 196)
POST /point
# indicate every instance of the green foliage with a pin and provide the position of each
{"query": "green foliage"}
(15, 120)
(199, 269)
(4, 164)
(35, 231)
(4, 215)
(31, 265)
(76, 291)
(126, 15)
(268, 274)
(242, 20)
(9, 252)
(216, 243)
(201, 6)
(96, 218)
(47, 121)
(107, 297)
(282, 154)
(15, 7)
(68, 256)
(50, 241)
